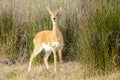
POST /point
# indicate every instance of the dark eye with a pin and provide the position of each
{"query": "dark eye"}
(56, 14)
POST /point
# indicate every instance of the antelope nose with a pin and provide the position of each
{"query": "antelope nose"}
(54, 18)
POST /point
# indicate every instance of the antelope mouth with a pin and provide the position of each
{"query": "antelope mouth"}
(54, 19)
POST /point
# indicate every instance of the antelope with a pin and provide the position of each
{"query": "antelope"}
(49, 41)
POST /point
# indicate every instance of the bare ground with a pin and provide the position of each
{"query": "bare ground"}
(66, 71)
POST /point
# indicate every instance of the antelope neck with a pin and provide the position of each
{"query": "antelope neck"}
(55, 32)
(55, 28)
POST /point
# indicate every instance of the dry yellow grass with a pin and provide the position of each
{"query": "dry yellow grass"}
(66, 71)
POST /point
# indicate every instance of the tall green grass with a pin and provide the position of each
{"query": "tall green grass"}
(91, 31)
(99, 42)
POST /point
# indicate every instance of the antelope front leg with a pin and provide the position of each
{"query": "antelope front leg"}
(60, 55)
(55, 59)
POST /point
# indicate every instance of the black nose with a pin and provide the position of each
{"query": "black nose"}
(54, 18)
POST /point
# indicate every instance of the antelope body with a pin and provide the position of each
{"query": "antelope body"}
(49, 41)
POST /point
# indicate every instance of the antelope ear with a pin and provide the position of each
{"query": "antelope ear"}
(49, 10)
(59, 10)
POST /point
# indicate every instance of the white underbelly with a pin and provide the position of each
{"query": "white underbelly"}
(48, 47)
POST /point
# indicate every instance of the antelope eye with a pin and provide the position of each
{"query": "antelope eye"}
(56, 14)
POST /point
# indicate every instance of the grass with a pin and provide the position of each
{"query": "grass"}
(66, 71)
(100, 38)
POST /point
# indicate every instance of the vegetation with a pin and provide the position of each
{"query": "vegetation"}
(100, 40)
(67, 71)
(91, 31)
